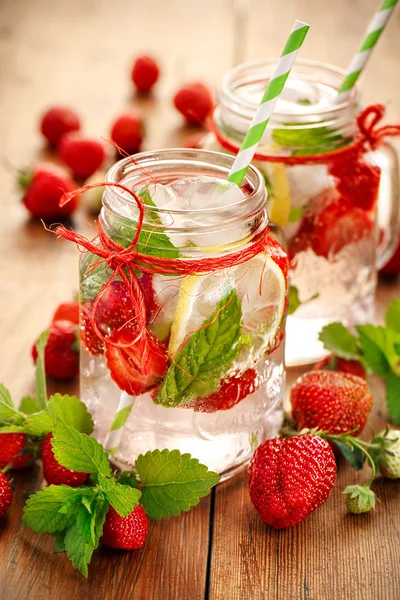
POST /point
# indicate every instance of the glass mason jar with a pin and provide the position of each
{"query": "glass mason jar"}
(323, 190)
(203, 371)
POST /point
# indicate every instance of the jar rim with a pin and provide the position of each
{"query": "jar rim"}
(228, 95)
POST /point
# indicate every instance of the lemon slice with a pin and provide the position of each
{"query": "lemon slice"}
(279, 203)
(187, 297)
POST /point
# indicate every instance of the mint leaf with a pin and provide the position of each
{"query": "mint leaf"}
(352, 454)
(295, 214)
(28, 405)
(7, 408)
(321, 139)
(72, 411)
(39, 424)
(49, 510)
(172, 482)
(294, 300)
(199, 365)
(59, 544)
(375, 348)
(41, 391)
(304, 102)
(393, 316)
(393, 398)
(128, 478)
(78, 452)
(338, 340)
(78, 550)
(122, 498)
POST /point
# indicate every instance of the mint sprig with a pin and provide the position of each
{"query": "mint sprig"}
(198, 367)
(41, 390)
(376, 347)
(294, 301)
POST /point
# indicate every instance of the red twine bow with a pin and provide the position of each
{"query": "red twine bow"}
(369, 133)
(124, 261)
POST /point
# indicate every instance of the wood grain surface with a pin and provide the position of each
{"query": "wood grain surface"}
(78, 52)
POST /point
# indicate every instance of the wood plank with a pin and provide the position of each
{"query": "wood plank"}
(331, 554)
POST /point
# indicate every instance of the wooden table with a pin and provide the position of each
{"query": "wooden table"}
(78, 53)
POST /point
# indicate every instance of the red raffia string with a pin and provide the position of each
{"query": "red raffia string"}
(124, 261)
(369, 134)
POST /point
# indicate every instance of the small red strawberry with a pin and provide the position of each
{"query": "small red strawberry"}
(232, 391)
(61, 355)
(13, 451)
(392, 268)
(335, 363)
(136, 365)
(56, 474)
(43, 190)
(6, 494)
(290, 478)
(125, 533)
(357, 182)
(127, 132)
(195, 102)
(331, 401)
(338, 225)
(58, 121)
(81, 154)
(68, 311)
(145, 73)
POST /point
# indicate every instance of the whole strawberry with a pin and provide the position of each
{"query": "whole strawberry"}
(290, 477)
(81, 154)
(145, 73)
(359, 499)
(389, 461)
(6, 494)
(43, 190)
(13, 451)
(67, 311)
(56, 474)
(195, 102)
(125, 533)
(127, 132)
(333, 402)
(61, 356)
(58, 121)
(335, 363)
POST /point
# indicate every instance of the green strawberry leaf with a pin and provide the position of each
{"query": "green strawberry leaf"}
(39, 424)
(352, 454)
(72, 411)
(172, 482)
(122, 498)
(376, 348)
(197, 368)
(41, 391)
(393, 316)
(28, 405)
(393, 398)
(12, 429)
(52, 508)
(78, 452)
(338, 340)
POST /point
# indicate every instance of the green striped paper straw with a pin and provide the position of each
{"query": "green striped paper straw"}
(357, 65)
(122, 413)
(271, 95)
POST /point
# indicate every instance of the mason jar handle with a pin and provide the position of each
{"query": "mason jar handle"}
(388, 204)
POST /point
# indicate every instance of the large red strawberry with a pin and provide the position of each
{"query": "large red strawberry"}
(125, 533)
(13, 451)
(195, 102)
(357, 181)
(232, 391)
(56, 474)
(58, 121)
(44, 188)
(67, 311)
(331, 401)
(339, 224)
(145, 73)
(136, 365)
(6, 494)
(335, 363)
(81, 154)
(61, 356)
(290, 478)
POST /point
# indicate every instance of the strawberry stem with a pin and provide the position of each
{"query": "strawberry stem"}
(6, 468)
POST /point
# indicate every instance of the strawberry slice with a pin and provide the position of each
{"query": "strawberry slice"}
(357, 182)
(136, 365)
(232, 391)
(341, 223)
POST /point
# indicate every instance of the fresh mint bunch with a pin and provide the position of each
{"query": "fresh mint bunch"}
(165, 483)
(376, 347)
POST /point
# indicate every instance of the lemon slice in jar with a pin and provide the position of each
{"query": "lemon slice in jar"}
(279, 200)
